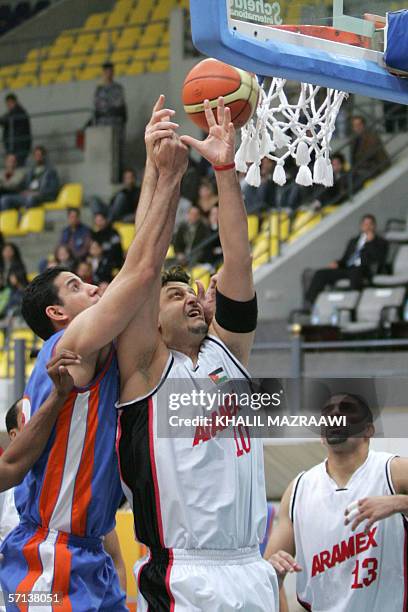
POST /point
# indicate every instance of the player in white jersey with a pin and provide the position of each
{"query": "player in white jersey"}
(346, 558)
(199, 499)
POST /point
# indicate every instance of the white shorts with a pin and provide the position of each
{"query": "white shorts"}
(209, 581)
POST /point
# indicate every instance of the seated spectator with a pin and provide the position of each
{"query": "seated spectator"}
(207, 196)
(11, 262)
(84, 271)
(188, 238)
(338, 192)
(41, 184)
(17, 282)
(11, 177)
(76, 236)
(109, 240)
(364, 256)
(100, 263)
(368, 155)
(214, 251)
(123, 204)
(263, 197)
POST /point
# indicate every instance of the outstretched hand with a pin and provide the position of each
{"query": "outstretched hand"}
(160, 126)
(219, 146)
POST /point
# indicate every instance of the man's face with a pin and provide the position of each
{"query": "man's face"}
(337, 165)
(10, 104)
(13, 433)
(348, 437)
(108, 75)
(10, 163)
(193, 215)
(358, 125)
(367, 226)
(100, 222)
(38, 156)
(73, 218)
(75, 295)
(181, 313)
(129, 179)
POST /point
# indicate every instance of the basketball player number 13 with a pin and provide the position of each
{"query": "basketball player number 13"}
(370, 565)
(242, 440)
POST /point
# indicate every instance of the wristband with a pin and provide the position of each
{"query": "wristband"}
(223, 168)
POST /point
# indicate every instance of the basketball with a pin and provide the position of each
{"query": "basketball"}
(211, 79)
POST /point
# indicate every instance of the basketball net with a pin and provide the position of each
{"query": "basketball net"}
(280, 130)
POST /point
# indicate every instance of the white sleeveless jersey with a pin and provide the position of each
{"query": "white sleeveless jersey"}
(204, 491)
(345, 570)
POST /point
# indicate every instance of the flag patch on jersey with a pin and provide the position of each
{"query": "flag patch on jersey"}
(218, 376)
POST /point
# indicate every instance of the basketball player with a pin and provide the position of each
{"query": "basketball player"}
(20, 456)
(69, 499)
(199, 504)
(343, 566)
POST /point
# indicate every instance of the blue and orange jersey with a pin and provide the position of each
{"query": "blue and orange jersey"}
(74, 486)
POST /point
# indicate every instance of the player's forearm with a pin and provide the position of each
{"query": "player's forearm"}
(401, 504)
(27, 447)
(233, 223)
(146, 195)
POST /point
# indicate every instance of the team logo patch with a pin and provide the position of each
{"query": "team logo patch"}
(218, 376)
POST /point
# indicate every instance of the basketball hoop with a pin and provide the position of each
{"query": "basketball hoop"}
(280, 130)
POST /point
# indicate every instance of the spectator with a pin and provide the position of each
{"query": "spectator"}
(12, 262)
(214, 250)
(41, 184)
(262, 197)
(100, 263)
(188, 238)
(368, 156)
(110, 107)
(16, 129)
(123, 205)
(63, 257)
(395, 116)
(84, 271)
(338, 192)
(76, 236)
(109, 240)
(207, 196)
(17, 282)
(364, 256)
(11, 177)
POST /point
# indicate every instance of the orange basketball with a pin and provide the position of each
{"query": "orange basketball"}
(211, 79)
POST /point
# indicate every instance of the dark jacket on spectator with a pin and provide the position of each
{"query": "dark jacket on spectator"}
(373, 255)
(368, 156)
(189, 237)
(16, 131)
(109, 240)
(47, 179)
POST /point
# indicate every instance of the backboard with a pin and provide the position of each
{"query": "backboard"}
(332, 43)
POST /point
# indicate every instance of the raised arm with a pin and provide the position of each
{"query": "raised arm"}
(235, 281)
(97, 326)
(140, 344)
(27, 447)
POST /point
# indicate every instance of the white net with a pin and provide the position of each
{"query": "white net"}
(280, 129)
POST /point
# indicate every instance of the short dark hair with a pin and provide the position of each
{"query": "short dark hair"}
(39, 294)
(107, 65)
(74, 209)
(41, 148)
(11, 417)
(176, 274)
(371, 217)
(361, 118)
(340, 157)
(11, 96)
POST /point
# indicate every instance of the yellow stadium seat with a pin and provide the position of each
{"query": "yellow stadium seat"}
(33, 221)
(126, 232)
(95, 21)
(171, 252)
(25, 80)
(9, 70)
(106, 41)
(75, 61)
(121, 57)
(51, 64)
(158, 66)
(163, 53)
(121, 69)
(162, 10)
(152, 35)
(140, 14)
(89, 73)
(70, 196)
(46, 78)
(116, 19)
(328, 210)
(202, 274)
(277, 225)
(34, 55)
(144, 54)
(96, 59)
(253, 227)
(304, 222)
(83, 43)
(31, 276)
(61, 46)
(29, 68)
(136, 67)
(128, 39)
(66, 76)
(9, 222)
